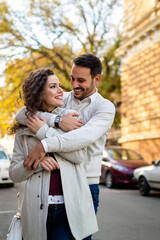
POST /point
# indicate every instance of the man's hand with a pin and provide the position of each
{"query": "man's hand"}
(49, 164)
(34, 123)
(70, 122)
(34, 157)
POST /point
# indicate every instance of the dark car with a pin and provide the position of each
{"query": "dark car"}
(118, 165)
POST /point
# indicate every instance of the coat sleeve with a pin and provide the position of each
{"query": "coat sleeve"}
(17, 171)
(21, 117)
(99, 124)
(73, 156)
(45, 131)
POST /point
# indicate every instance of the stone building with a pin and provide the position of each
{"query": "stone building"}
(140, 77)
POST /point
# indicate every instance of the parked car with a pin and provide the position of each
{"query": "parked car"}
(4, 166)
(118, 165)
(148, 178)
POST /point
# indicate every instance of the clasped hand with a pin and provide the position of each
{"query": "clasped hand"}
(70, 122)
(37, 154)
(34, 123)
(49, 164)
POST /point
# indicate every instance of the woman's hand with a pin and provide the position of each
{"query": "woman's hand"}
(34, 123)
(49, 164)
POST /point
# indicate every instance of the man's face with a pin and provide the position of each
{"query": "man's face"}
(82, 82)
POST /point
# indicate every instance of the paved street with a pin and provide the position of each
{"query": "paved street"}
(123, 214)
(8, 204)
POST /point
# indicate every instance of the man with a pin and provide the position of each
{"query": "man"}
(96, 114)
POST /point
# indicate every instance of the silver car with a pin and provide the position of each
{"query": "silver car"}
(4, 167)
(148, 178)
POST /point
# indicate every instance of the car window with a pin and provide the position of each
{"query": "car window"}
(123, 154)
(133, 155)
(114, 154)
(3, 155)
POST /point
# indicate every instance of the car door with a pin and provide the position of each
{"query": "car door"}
(155, 176)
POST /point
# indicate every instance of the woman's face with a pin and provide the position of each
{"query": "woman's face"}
(52, 94)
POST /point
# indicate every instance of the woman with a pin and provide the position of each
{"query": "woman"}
(70, 215)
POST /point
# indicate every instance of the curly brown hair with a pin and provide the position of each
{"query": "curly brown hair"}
(33, 87)
(31, 93)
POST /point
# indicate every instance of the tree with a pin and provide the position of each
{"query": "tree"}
(49, 33)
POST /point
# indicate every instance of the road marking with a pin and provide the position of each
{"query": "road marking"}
(9, 211)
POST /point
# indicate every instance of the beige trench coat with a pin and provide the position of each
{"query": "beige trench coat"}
(77, 196)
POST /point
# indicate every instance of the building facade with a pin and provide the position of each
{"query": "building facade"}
(140, 78)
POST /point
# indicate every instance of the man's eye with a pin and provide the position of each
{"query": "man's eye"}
(80, 80)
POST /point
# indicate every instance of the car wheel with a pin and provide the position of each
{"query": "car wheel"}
(109, 180)
(143, 186)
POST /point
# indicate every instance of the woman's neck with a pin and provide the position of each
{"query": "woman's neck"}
(45, 109)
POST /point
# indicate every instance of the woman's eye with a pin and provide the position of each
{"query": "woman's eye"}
(52, 86)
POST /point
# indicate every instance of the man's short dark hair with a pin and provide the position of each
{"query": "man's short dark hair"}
(89, 61)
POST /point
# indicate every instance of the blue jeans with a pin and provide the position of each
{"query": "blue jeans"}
(94, 188)
(57, 223)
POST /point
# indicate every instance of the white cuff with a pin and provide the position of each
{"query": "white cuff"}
(44, 145)
(52, 120)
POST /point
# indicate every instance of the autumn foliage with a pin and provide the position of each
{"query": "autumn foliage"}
(50, 34)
